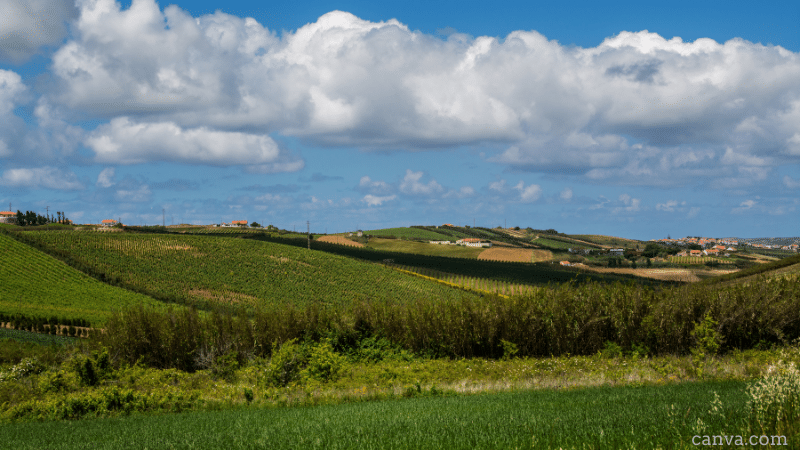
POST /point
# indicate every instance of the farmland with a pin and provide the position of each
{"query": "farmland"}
(336, 239)
(422, 248)
(208, 270)
(410, 233)
(37, 285)
(507, 254)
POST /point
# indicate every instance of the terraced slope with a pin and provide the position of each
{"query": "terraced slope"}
(37, 285)
(209, 269)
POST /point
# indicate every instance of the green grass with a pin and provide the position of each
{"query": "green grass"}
(34, 338)
(37, 285)
(423, 248)
(553, 244)
(410, 233)
(626, 417)
(243, 272)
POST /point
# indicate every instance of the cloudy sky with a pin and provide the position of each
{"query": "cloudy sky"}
(633, 119)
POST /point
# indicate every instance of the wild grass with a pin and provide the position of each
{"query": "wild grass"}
(631, 417)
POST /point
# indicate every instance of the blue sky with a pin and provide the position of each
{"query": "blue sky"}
(627, 118)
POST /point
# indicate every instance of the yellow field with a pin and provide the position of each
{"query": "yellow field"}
(507, 254)
(339, 240)
(666, 274)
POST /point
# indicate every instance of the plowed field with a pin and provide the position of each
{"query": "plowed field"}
(657, 274)
(339, 240)
(507, 254)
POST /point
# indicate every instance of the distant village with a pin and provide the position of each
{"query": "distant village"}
(713, 246)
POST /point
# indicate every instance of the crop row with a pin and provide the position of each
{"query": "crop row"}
(697, 260)
(212, 270)
(37, 285)
(486, 285)
(409, 233)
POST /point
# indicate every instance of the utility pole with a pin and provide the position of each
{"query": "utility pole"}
(48, 213)
(308, 232)
(163, 218)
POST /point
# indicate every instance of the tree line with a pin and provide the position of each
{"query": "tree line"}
(29, 218)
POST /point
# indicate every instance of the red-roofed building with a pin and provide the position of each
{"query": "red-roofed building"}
(108, 223)
(8, 217)
(239, 222)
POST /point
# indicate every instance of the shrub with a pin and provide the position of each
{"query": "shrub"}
(324, 364)
(285, 364)
(774, 401)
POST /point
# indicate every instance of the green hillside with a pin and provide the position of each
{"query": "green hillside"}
(209, 270)
(410, 233)
(37, 285)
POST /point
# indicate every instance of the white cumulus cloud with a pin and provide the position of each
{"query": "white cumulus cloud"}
(411, 185)
(27, 25)
(123, 141)
(636, 109)
(375, 200)
(106, 178)
(41, 177)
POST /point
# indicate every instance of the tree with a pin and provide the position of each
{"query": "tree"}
(695, 247)
(633, 264)
(652, 250)
(255, 225)
(649, 263)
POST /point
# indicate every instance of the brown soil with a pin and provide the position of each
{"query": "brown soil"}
(333, 239)
(507, 254)
(224, 297)
(670, 274)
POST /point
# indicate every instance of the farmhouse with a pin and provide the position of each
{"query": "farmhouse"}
(695, 253)
(7, 217)
(108, 223)
(473, 242)
(711, 251)
(565, 263)
(617, 251)
(239, 223)
(442, 242)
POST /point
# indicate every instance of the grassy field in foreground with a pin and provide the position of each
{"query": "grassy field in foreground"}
(37, 285)
(627, 417)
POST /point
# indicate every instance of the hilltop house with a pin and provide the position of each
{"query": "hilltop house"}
(108, 223)
(8, 217)
(473, 242)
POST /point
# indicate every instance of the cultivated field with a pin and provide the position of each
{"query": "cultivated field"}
(410, 233)
(664, 274)
(207, 270)
(37, 285)
(341, 240)
(507, 254)
(424, 248)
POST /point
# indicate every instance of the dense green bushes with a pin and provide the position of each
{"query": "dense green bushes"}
(567, 319)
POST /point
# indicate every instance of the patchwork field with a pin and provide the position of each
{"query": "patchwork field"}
(205, 270)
